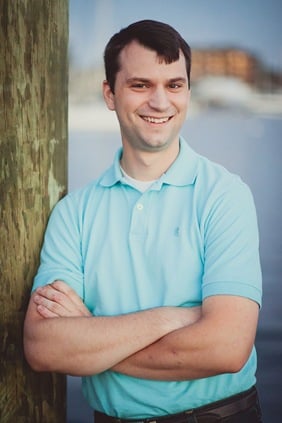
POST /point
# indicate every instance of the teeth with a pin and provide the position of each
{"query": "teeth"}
(155, 120)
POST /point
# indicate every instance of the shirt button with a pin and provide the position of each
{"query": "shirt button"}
(140, 206)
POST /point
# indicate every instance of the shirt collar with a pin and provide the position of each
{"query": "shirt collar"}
(112, 175)
(182, 171)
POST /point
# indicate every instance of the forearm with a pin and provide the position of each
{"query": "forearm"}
(210, 346)
(177, 356)
(90, 345)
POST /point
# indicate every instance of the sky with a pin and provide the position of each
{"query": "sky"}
(254, 25)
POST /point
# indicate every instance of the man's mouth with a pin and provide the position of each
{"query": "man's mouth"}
(151, 119)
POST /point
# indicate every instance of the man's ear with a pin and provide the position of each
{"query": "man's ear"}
(108, 96)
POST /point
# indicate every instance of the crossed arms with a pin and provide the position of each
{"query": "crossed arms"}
(163, 343)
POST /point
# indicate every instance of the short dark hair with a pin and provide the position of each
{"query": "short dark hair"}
(157, 36)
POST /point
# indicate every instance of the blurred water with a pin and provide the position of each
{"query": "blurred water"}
(250, 146)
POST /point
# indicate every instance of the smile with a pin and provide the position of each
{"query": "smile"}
(156, 120)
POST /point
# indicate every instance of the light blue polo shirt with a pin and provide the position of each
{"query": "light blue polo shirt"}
(192, 234)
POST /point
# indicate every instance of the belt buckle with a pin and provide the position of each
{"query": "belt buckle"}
(189, 412)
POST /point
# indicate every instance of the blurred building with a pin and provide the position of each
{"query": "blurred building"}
(224, 62)
(234, 63)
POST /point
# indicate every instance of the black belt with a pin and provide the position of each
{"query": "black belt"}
(208, 413)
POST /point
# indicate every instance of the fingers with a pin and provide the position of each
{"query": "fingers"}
(48, 305)
(44, 312)
(63, 287)
(59, 300)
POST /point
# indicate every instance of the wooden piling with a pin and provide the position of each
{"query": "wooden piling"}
(33, 176)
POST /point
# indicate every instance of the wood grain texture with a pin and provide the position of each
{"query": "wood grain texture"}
(33, 176)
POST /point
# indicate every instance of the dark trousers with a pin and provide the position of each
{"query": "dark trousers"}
(240, 408)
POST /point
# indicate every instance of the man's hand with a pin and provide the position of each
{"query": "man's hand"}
(59, 300)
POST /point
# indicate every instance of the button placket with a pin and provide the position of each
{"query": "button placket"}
(139, 219)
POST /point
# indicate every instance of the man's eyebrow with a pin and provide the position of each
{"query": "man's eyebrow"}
(178, 79)
(146, 80)
(137, 79)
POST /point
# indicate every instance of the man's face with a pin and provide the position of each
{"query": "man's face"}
(151, 98)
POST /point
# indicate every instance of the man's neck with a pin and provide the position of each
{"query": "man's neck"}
(147, 166)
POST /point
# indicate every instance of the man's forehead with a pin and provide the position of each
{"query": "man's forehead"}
(135, 57)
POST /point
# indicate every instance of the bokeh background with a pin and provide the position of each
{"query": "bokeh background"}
(235, 119)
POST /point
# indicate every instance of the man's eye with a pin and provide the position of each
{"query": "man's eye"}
(140, 85)
(174, 85)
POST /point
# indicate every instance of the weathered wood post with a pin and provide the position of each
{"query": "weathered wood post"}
(33, 176)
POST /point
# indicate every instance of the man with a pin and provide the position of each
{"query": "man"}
(149, 284)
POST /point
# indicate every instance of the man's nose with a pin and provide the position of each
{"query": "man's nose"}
(159, 99)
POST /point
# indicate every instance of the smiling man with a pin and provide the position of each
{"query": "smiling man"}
(149, 284)
(151, 100)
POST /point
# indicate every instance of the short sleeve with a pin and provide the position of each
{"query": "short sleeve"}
(61, 252)
(232, 263)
